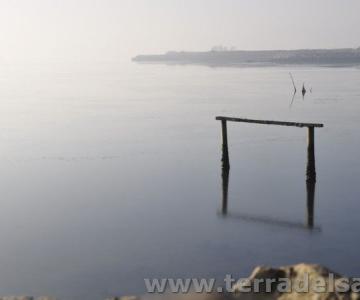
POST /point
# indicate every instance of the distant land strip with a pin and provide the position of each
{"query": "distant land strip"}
(346, 56)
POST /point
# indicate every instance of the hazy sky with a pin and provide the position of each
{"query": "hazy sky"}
(119, 29)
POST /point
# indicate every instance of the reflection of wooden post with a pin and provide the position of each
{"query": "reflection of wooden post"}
(225, 149)
(225, 190)
(310, 195)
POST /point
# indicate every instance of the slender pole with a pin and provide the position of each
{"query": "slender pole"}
(310, 176)
(311, 169)
(225, 150)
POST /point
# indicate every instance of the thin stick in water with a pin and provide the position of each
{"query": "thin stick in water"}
(292, 79)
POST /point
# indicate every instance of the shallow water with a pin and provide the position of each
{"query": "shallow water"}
(111, 173)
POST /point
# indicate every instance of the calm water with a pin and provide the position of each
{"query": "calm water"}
(111, 173)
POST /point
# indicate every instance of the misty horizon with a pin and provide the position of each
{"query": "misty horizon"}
(234, 49)
(118, 30)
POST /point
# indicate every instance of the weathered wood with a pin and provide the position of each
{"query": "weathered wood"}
(311, 138)
(267, 122)
(311, 176)
(311, 168)
(225, 149)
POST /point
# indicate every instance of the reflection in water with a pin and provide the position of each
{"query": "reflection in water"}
(292, 99)
(225, 189)
(303, 91)
(271, 221)
(310, 194)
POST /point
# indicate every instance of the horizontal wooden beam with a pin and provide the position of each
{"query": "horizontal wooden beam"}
(265, 122)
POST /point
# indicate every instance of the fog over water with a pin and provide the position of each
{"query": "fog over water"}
(111, 170)
(112, 30)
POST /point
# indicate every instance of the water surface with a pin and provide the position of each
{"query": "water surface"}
(111, 173)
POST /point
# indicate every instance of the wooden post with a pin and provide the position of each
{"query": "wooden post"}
(225, 149)
(310, 169)
(310, 176)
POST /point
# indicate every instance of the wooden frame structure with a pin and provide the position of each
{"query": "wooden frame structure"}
(311, 134)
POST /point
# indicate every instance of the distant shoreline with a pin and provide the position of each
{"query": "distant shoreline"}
(323, 57)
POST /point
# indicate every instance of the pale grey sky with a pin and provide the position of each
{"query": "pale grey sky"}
(119, 29)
